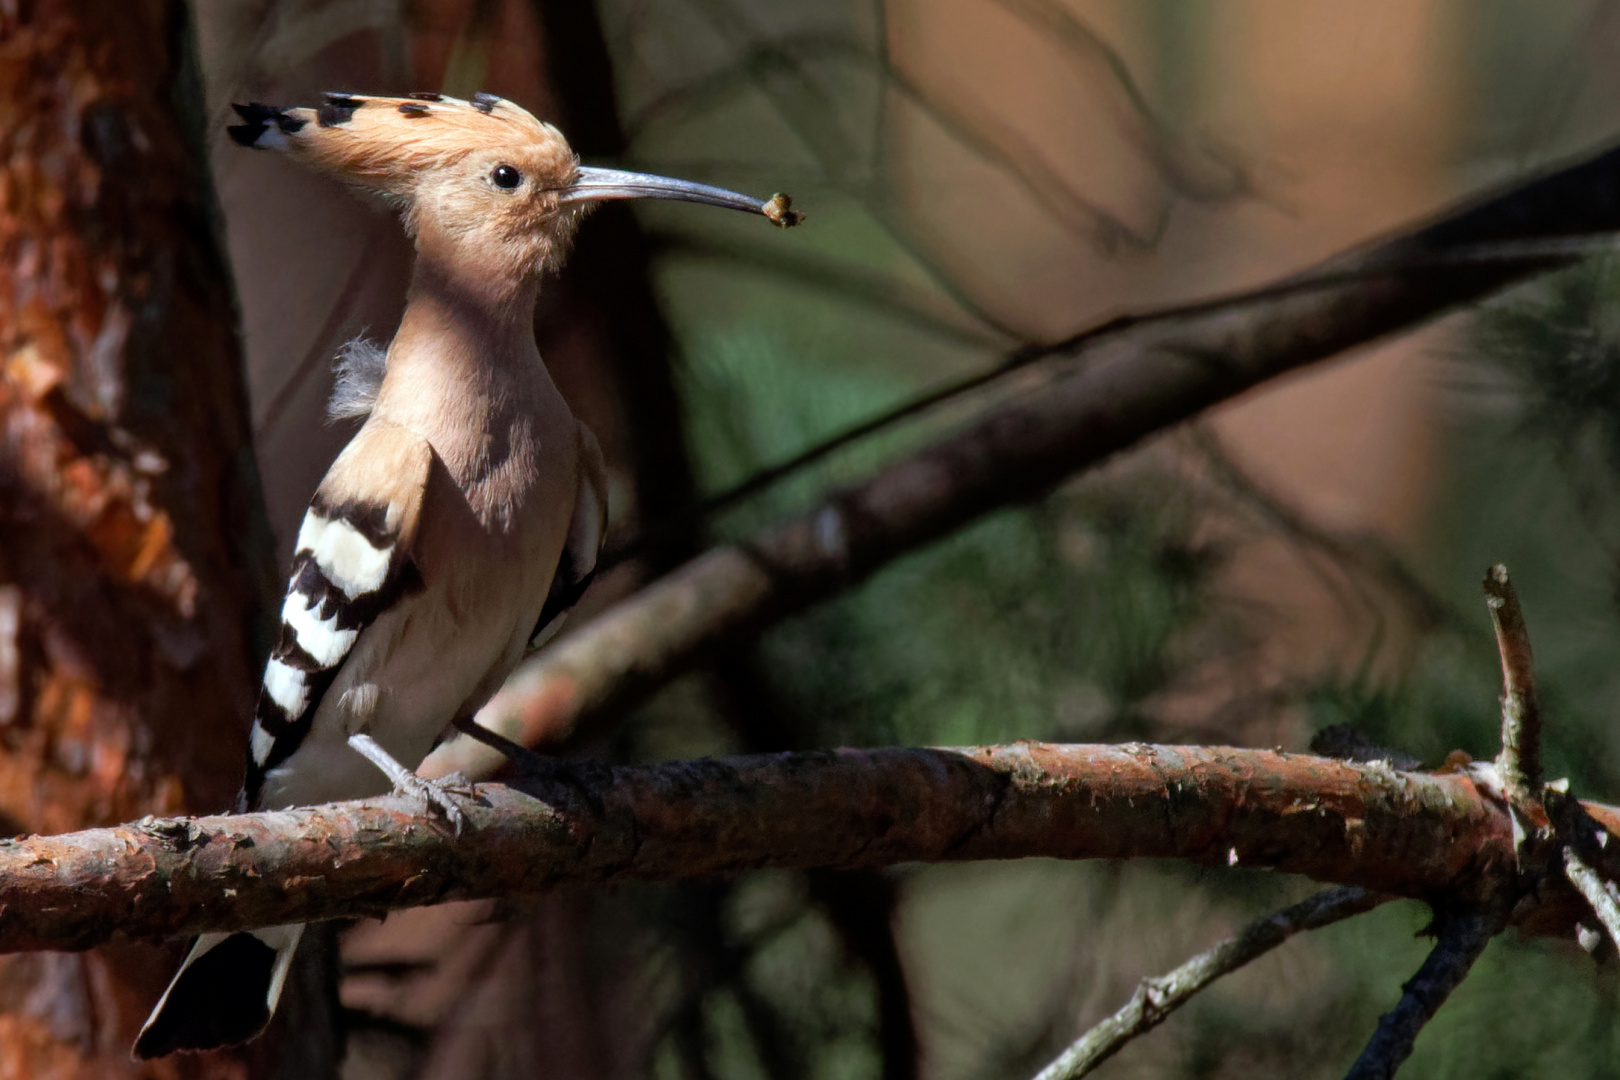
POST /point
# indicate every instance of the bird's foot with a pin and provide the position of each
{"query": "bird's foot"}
(440, 794)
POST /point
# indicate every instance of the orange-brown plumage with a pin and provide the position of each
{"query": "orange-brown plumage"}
(466, 515)
(436, 160)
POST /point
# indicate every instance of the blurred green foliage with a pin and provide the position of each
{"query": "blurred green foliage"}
(1065, 620)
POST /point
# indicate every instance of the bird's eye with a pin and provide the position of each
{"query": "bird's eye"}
(506, 178)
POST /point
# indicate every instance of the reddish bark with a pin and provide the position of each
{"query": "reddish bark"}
(132, 553)
(1426, 835)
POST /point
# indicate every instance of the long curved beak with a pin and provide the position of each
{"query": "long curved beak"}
(593, 184)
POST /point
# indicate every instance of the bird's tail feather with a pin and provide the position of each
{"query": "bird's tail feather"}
(225, 992)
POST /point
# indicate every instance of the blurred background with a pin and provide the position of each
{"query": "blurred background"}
(979, 174)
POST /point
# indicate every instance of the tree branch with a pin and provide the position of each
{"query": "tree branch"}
(1156, 999)
(1520, 759)
(1409, 834)
(1131, 384)
(1463, 936)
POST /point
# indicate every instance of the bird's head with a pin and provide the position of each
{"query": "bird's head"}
(483, 185)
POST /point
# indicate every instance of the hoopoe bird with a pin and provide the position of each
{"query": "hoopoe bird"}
(464, 519)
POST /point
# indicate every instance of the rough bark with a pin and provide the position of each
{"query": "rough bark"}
(133, 551)
(1425, 835)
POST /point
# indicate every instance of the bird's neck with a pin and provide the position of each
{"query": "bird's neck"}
(464, 361)
(469, 299)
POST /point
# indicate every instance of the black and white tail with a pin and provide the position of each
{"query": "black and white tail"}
(352, 562)
(225, 992)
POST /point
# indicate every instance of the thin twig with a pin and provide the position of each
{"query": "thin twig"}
(1364, 553)
(1520, 760)
(777, 69)
(1463, 936)
(1172, 152)
(1592, 886)
(780, 70)
(1155, 999)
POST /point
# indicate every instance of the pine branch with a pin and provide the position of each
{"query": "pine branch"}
(1130, 382)
(1408, 834)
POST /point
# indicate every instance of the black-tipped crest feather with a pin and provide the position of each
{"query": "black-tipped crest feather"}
(258, 118)
(337, 109)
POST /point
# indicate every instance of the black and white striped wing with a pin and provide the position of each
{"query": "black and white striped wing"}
(587, 532)
(351, 563)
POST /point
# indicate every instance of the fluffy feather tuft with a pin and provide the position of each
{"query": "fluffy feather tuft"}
(361, 364)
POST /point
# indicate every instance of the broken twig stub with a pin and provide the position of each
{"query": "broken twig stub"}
(1520, 759)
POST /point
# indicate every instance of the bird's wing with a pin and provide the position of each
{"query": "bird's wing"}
(587, 532)
(352, 561)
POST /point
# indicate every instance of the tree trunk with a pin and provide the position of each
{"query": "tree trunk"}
(134, 556)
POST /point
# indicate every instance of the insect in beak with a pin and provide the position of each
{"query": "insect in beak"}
(594, 184)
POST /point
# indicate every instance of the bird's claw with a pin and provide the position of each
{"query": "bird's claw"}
(440, 794)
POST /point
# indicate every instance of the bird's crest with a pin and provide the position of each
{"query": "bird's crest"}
(491, 193)
(388, 144)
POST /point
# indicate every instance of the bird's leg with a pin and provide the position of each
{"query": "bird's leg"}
(432, 793)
